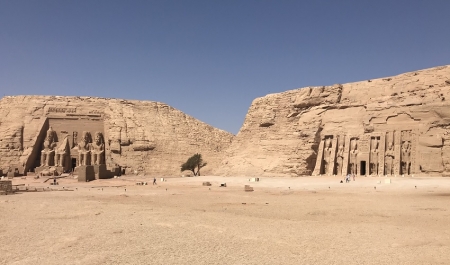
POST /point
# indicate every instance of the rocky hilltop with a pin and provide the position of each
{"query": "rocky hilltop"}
(395, 125)
(139, 137)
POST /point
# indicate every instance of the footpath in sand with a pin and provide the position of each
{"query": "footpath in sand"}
(310, 220)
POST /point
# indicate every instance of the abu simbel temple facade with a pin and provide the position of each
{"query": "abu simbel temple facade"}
(100, 136)
(398, 125)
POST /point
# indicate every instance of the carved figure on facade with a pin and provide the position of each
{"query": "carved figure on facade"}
(340, 158)
(406, 157)
(74, 139)
(327, 154)
(84, 150)
(48, 149)
(98, 150)
(353, 156)
(62, 152)
(389, 159)
(374, 142)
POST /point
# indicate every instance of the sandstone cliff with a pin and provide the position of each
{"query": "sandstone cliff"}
(395, 125)
(142, 137)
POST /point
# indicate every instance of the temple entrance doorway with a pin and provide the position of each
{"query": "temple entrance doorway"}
(362, 168)
(74, 164)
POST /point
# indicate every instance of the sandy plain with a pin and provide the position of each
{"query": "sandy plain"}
(307, 220)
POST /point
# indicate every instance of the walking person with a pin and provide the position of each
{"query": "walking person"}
(154, 181)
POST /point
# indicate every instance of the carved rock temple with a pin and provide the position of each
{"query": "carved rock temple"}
(398, 125)
(98, 137)
(385, 153)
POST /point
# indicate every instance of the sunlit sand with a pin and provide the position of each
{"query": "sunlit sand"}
(312, 220)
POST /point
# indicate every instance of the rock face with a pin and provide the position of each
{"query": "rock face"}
(139, 137)
(397, 125)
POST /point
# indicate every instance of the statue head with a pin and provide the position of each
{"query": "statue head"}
(389, 145)
(98, 138)
(327, 143)
(50, 135)
(341, 146)
(86, 137)
(374, 143)
(405, 145)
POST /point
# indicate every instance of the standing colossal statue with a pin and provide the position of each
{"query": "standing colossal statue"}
(327, 155)
(389, 159)
(340, 159)
(406, 157)
(374, 156)
(353, 156)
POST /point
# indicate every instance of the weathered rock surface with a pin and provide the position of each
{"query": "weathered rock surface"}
(141, 137)
(395, 125)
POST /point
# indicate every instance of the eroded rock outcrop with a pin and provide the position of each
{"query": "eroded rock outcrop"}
(396, 125)
(141, 137)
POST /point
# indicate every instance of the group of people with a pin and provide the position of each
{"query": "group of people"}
(349, 177)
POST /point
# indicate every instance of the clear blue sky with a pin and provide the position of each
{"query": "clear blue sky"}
(210, 58)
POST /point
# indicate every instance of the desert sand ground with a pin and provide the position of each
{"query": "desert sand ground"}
(307, 220)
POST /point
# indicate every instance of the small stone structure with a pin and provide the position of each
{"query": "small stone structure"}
(141, 183)
(248, 188)
(101, 172)
(5, 187)
(12, 173)
(86, 173)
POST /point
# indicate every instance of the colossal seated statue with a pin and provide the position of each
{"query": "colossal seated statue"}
(48, 152)
(98, 149)
(84, 150)
(62, 152)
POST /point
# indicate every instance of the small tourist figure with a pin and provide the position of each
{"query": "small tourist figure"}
(353, 177)
(54, 180)
(347, 178)
(154, 181)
